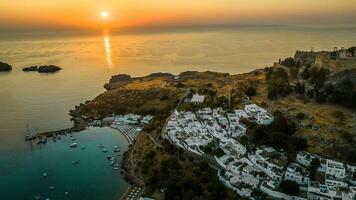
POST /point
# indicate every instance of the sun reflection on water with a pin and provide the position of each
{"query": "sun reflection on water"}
(107, 47)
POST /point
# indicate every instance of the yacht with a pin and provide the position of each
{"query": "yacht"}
(75, 162)
(105, 150)
(29, 136)
(73, 145)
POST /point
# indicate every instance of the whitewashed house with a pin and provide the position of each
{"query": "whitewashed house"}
(297, 173)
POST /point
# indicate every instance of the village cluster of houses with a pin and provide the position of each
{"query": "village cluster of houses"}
(193, 130)
(266, 168)
(129, 119)
(130, 125)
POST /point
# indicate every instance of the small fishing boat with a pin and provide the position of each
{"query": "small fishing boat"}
(44, 174)
(38, 140)
(112, 163)
(115, 147)
(37, 197)
(105, 150)
(75, 162)
(51, 187)
(73, 145)
(29, 136)
(116, 150)
(101, 146)
(43, 139)
(116, 165)
(66, 193)
(116, 168)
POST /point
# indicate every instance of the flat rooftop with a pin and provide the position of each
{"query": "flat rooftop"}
(197, 98)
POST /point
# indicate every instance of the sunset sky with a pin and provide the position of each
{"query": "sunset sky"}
(136, 13)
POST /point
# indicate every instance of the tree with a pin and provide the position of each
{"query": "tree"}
(290, 187)
(300, 116)
(352, 50)
(313, 168)
(300, 88)
(180, 85)
(288, 62)
(250, 91)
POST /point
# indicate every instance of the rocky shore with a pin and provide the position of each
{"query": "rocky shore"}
(42, 69)
(4, 67)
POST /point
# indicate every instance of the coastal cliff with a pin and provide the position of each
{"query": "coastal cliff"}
(278, 89)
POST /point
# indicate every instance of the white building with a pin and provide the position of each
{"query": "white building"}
(336, 169)
(271, 188)
(261, 115)
(322, 192)
(297, 173)
(270, 161)
(197, 99)
(231, 146)
(305, 159)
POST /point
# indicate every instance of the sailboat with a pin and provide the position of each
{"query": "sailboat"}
(29, 136)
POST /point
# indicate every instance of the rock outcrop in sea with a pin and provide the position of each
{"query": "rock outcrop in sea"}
(4, 67)
(42, 69)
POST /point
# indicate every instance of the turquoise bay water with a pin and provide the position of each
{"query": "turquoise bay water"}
(93, 178)
(88, 60)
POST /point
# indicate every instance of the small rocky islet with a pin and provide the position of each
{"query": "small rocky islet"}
(4, 67)
(42, 69)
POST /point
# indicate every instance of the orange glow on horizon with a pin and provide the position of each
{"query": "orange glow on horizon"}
(118, 13)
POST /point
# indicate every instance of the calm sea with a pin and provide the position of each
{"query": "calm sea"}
(88, 60)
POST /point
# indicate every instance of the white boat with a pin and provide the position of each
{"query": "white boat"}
(73, 145)
(43, 139)
(116, 168)
(115, 147)
(116, 165)
(29, 136)
(101, 146)
(51, 187)
(37, 197)
(44, 174)
(105, 150)
(75, 162)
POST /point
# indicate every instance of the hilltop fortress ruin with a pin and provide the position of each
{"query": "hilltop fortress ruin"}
(336, 60)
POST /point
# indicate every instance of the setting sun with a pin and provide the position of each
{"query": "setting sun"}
(104, 15)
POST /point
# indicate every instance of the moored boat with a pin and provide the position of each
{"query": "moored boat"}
(73, 145)
(43, 139)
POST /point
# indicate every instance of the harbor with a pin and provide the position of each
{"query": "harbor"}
(61, 170)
